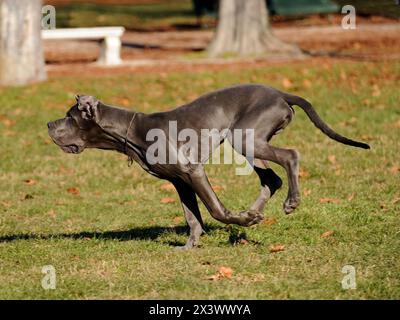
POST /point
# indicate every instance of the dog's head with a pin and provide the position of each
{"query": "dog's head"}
(79, 128)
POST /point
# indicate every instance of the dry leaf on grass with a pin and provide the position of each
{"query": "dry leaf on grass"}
(178, 220)
(327, 234)
(307, 192)
(74, 191)
(65, 170)
(51, 213)
(6, 204)
(303, 173)
(287, 83)
(329, 200)
(217, 188)
(351, 197)
(396, 124)
(30, 182)
(223, 273)
(125, 102)
(376, 91)
(276, 248)
(307, 83)
(269, 221)
(395, 170)
(332, 159)
(168, 186)
(167, 200)
(9, 133)
(8, 122)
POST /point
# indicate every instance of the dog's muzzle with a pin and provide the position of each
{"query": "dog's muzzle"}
(68, 148)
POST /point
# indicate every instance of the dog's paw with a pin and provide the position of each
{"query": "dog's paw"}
(251, 217)
(290, 204)
(189, 245)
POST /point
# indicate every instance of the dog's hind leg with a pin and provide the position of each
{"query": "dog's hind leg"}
(192, 213)
(270, 183)
(288, 159)
(203, 189)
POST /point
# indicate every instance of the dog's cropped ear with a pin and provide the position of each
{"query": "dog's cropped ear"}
(88, 105)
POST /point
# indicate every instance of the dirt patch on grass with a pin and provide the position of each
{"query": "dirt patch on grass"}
(184, 50)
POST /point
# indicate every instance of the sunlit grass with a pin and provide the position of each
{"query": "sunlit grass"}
(115, 238)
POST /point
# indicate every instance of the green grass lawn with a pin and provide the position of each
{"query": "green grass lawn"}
(115, 238)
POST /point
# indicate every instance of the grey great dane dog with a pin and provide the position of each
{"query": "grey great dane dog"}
(92, 124)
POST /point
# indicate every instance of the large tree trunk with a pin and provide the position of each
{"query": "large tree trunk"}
(243, 29)
(21, 51)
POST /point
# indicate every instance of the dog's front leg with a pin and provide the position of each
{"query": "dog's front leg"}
(192, 213)
(203, 189)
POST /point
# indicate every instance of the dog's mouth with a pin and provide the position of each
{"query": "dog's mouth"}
(71, 148)
(68, 148)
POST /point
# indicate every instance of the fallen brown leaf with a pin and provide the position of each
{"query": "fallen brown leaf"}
(327, 234)
(74, 191)
(51, 213)
(9, 133)
(396, 200)
(276, 248)
(65, 170)
(307, 192)
(351, 197)
(8, 122)
(395, 169)
(178, 220)
(269, 221)
(167, 200)
(217, 188)
(30, 182)
(307, 83)
(329, 200)
(226, 272)
(125, 102)
(287, 83)
(376, 91)
(303, 173)
(396, 124)
(6, 204)
(168, 186)
(367, 102)
(332, 159)
(223, 273)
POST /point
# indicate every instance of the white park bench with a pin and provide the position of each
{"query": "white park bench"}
(110, 53)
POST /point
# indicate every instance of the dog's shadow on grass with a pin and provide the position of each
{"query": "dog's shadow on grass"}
(140, 233)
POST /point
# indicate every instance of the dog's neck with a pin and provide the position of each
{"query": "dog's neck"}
(118, 124)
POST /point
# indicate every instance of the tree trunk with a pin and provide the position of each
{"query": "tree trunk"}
(243, 28)
(21, 51)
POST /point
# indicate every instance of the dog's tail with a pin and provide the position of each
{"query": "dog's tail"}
(319, 123)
